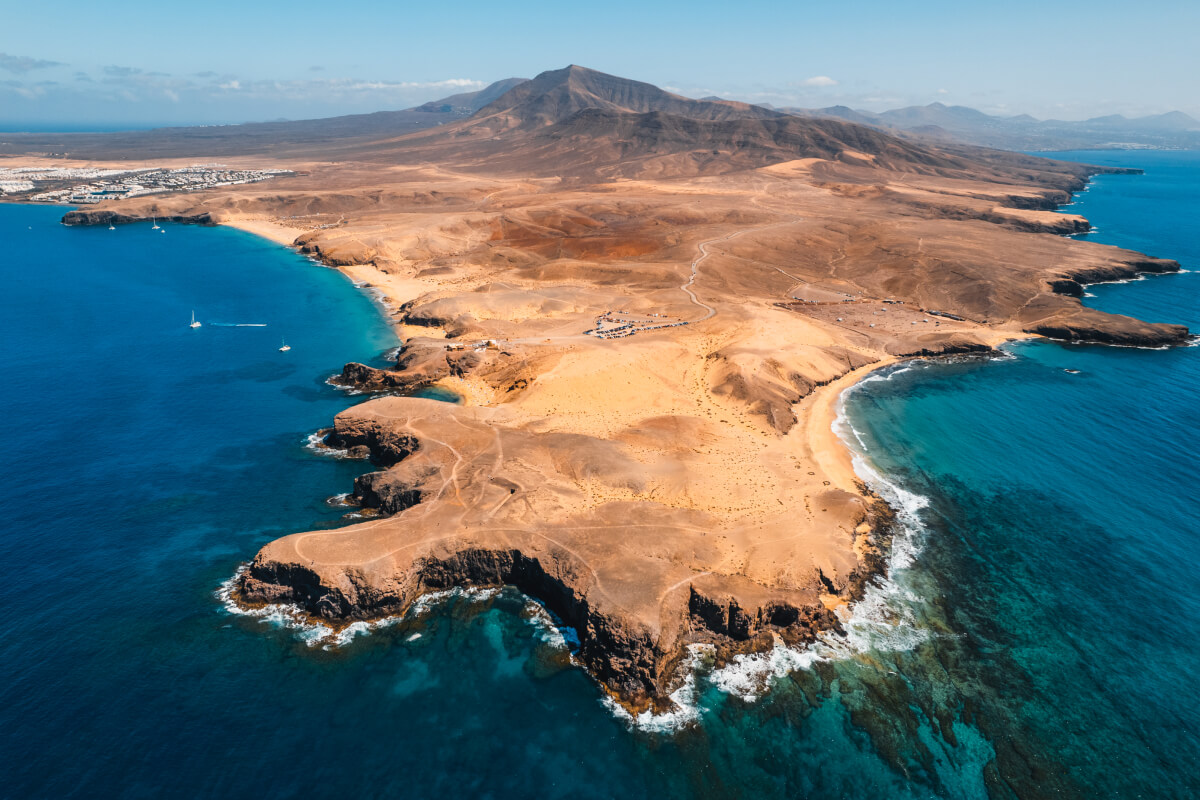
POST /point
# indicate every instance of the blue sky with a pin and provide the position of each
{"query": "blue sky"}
(130, 62)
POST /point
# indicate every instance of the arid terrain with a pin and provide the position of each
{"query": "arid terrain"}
(674, 479)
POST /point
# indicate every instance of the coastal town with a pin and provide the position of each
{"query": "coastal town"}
(87, 186)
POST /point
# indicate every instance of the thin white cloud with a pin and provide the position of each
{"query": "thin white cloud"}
(115, 71)
(451, 83)
(819, 80)
(348, 86)
(19, 65)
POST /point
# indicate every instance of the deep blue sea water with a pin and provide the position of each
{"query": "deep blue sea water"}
(1040, 641)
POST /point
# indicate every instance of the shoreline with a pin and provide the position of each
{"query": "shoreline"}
(379, 287)
(727, 433)
(832, 455)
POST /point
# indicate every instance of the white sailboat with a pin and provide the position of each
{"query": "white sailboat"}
(111, 227)
(195, 322)
(285, 347)
(154, 226)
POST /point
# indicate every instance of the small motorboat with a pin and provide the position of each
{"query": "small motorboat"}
(285, 347)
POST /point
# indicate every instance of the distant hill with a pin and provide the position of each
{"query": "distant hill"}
(1173, 130)
(556, 95)
(253, 138)
(470, 102)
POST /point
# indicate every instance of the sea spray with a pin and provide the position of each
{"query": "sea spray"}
(280, 615)
(686, 706)
(312, 632)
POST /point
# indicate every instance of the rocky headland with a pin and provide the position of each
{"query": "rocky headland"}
(650, 305)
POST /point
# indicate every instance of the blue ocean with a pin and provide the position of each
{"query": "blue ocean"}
(1037, 635)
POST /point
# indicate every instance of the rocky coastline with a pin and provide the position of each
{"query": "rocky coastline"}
(633, 662)
(108, 216)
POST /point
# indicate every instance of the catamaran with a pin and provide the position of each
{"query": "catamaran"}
(195, 322)
(285, 347)
(154, 226)
(111, 227)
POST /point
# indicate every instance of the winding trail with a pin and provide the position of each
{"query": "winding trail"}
(710, 312)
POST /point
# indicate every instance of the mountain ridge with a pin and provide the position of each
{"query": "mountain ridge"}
(1173, 130)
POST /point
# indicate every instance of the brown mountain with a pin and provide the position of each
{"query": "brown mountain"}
(582, 124)
(559, 94)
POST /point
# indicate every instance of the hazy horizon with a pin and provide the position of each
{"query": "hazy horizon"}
(166, 66)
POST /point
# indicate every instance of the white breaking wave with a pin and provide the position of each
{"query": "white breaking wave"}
(424, 604)
(550, 629)
(281, 615)
(747, 676)
(350, 390)
(354, 629)
(316, 443)
(686, 698)
(291, 617)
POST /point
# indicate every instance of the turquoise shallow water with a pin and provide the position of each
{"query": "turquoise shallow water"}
(1038, 640)
(1059, 547)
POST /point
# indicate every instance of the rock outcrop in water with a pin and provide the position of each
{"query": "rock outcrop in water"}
(109, 216)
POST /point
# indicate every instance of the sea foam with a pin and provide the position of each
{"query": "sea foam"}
(291, 617)
(315, 443)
